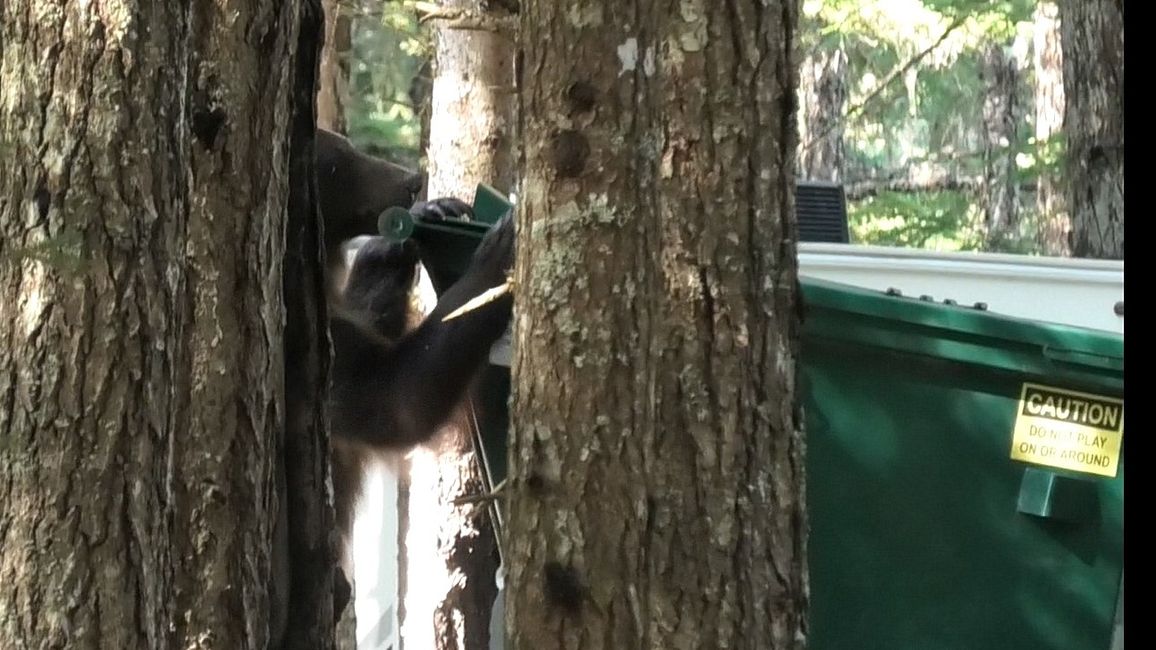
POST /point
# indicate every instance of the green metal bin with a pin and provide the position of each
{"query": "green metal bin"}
(964, 471)
(926, 533)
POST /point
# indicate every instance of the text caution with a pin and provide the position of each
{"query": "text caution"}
(1069, 430)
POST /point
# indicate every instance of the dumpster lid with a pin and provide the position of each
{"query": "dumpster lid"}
(963, 332)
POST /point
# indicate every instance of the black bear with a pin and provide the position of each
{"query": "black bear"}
(395, 384)
(396, 378)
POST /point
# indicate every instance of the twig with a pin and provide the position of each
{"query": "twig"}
(481, 498)
(462, 19)
(892, 76)
(486, 297)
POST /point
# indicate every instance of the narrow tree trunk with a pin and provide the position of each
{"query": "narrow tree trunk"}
(823, 92)
(1000, 78)
(451, 552)
(143, 189)
(308, 511)
(1092, 34)
(333, 81)
(657, 490)
(472, 108)
(421, 96)
(1047, 60)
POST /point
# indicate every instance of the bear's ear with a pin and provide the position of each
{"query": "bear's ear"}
(354, 188)
(332, 149)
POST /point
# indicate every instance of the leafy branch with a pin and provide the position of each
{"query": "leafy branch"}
(897, 72)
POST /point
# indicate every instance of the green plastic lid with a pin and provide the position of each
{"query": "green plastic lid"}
(395, 224)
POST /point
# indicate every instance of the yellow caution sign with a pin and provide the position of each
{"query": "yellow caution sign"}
(1069, 430)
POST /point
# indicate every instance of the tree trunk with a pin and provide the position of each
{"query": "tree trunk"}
(309, 515)
(1047, 61)
(451, 552)
(472, 108)
(823, 85)
(332, 85)
(1092, 34)
(149, 150)
(421, 97)
(333, 80)
(657, 460)
(1001, 206)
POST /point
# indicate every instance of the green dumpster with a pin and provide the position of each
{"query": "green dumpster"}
(965, 476)
(965, 470)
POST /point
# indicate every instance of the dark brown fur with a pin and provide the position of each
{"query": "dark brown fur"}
(395, 381)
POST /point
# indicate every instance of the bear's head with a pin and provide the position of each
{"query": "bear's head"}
(354, 188)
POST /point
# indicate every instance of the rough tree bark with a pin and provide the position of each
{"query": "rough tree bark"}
(305, 452)
(1092, 35)
(333, 79)
(1000, 108)
(332, 89)
(1047, 63)
(823, 92)
(470, 142)
(143, 202)
(657, 488)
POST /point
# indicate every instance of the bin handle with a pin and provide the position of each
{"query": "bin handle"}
(1049, 495)
(1082, 358)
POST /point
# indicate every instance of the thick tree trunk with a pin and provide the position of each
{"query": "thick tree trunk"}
(1047, 61)
(823, 92)
(1092, 34)
(451, 552)
(1000, 107)
(142, 230)
(657, 461)
(333, 80)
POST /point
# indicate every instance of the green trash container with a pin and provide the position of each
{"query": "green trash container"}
(964, 472)
(965, 476)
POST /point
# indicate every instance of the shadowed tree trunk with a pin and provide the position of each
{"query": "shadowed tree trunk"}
(1092, 34)
(657, 461)
(151, 154)
(451, 552)
(823, 86)
(1000, 106)
(420, 91)
(1047, 61)
(332, 91)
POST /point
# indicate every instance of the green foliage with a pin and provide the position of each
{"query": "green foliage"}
(1041, 157)
(944, 220)
(916, 93)
(1015, 10)
(388, 50)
